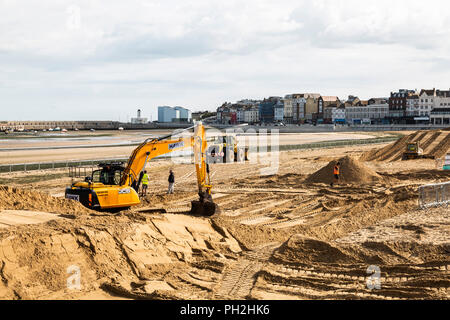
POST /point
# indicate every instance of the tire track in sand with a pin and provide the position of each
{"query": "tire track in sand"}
(240, 278)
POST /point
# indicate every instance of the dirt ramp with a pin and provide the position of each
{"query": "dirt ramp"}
(352, 171)
(435, 144)
(22, 199)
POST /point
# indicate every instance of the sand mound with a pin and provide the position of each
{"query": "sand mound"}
(308, 250)
(352, 171)
(21, 199)
(435, 144)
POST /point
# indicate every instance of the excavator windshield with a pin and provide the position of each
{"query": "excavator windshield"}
(108, 176)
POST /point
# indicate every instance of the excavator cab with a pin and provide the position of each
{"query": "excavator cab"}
(103, 191)
(109, 174)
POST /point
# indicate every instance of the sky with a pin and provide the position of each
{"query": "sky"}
(103, 60)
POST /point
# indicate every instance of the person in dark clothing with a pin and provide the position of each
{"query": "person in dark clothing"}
(171, 182)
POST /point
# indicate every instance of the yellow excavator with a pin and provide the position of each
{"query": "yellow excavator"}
(115, 187)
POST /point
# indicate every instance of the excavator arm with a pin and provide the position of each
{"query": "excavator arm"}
(146, 152)
(205, 205)
(156, 147)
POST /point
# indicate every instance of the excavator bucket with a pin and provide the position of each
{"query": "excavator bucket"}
(204, 208)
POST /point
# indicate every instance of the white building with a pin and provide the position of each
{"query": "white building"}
(370, 114)
(440, 114)
(139, 119)
(432, 99)
(251, 115)
(413, 106)
(427, 100)
(442, 99)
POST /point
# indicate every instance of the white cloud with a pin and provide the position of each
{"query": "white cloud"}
(117, 55)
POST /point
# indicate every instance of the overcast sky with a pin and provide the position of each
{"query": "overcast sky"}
(81, 60)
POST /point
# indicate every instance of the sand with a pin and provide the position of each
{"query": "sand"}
(277, 237)
(23, 199)
(10, 218)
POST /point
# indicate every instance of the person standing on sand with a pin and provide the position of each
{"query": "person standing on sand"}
(336, 173)
(145, 180)
(171, 182)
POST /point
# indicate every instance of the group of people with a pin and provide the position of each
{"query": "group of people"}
(145, 180)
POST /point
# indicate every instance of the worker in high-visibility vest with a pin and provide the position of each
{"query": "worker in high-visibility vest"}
(145, 180)
(336, 173)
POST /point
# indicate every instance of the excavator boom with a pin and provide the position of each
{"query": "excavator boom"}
(205, 205)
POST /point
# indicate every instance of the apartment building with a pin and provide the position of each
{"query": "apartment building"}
(413, 106)
(267, 109)
(251, 115)
(376, 113)
(294, 108)
(334, 114)
(312, 106)
(397, 104)
(279, 111)
(440, 114)
(325, 102)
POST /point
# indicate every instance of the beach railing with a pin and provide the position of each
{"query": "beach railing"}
(434, 195)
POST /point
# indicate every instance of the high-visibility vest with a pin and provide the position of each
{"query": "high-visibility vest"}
(145, 179)
(336, 170)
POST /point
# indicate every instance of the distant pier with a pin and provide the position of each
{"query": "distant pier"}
(85, 125)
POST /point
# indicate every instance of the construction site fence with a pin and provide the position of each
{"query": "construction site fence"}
(55, 165)
(336, 143)
(24, 167)
(434, 195)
